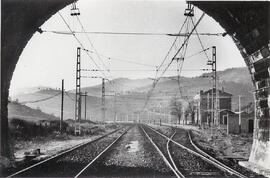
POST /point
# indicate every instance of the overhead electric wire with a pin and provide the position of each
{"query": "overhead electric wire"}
(128, 61)
(98, 55)
(156, 81)
(202, 46)
(182, 45)
(129, 33)
(138, 70)
(197, 53)
(40, 100)
(83, 48)
(158, 68)
(91, 43)
(181, 63)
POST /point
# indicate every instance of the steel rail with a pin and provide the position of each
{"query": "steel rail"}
(213, 159)
(170, 156)
(162, 155)
(215, 163)
(62, 153)
(100, 154)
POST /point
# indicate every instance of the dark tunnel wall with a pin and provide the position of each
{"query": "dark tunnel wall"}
(20, 19)
(247, 23)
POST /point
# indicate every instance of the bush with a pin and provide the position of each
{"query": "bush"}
(26, 130)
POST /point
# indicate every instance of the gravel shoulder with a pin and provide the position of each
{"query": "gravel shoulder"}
(228, 149)
(54, 144)
(132, 156)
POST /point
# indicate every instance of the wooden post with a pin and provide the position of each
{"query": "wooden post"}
(62, 107)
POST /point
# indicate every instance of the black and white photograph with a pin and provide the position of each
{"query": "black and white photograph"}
(135, 89)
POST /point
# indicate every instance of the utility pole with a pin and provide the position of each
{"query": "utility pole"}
(207, 105)
(103, 100)
(77, 130)
(78, 93)
(114, 107)
(85, 98)
(85, 101)
(62, 107)
(239, 104)
(213, 64)
(214, 59)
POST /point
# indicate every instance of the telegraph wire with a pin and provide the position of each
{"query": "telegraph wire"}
(69, 96)
(40, 100)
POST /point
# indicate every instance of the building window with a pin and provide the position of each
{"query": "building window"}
(224, 119)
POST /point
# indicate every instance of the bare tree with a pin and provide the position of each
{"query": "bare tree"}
(176, 106)
(191, 109)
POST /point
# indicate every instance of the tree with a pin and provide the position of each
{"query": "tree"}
(191, 109)
(176, 105)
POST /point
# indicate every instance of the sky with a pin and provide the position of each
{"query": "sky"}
(49, 57)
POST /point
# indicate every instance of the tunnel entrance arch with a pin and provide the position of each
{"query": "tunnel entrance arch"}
(247, 24)
(19, 21)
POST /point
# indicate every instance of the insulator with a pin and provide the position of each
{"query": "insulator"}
(189, 11)
(74, 11)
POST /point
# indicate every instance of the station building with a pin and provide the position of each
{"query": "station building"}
(204, 104)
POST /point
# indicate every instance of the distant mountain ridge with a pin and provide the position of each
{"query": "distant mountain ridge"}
(237, 75)
(132, 93)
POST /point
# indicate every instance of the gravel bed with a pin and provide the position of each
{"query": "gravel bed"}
(161, 142)
(181, 137)
(228, 162)
(118, 162)
(168, 131)
(192, 165)
(70, 164)
(187, 163)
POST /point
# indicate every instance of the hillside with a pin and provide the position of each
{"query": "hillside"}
(19, 111)
(236, 81)
(237, 75)
(121, 85)
(132, 94)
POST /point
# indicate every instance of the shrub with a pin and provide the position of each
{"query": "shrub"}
(26, 130)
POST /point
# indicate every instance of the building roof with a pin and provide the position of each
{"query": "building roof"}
(221, 92)
(227, 111)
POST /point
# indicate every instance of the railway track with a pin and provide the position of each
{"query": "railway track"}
(99, 168)
(73, 162)
(232, 167)
(165, 154)
(217, 168)
(80, 160)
